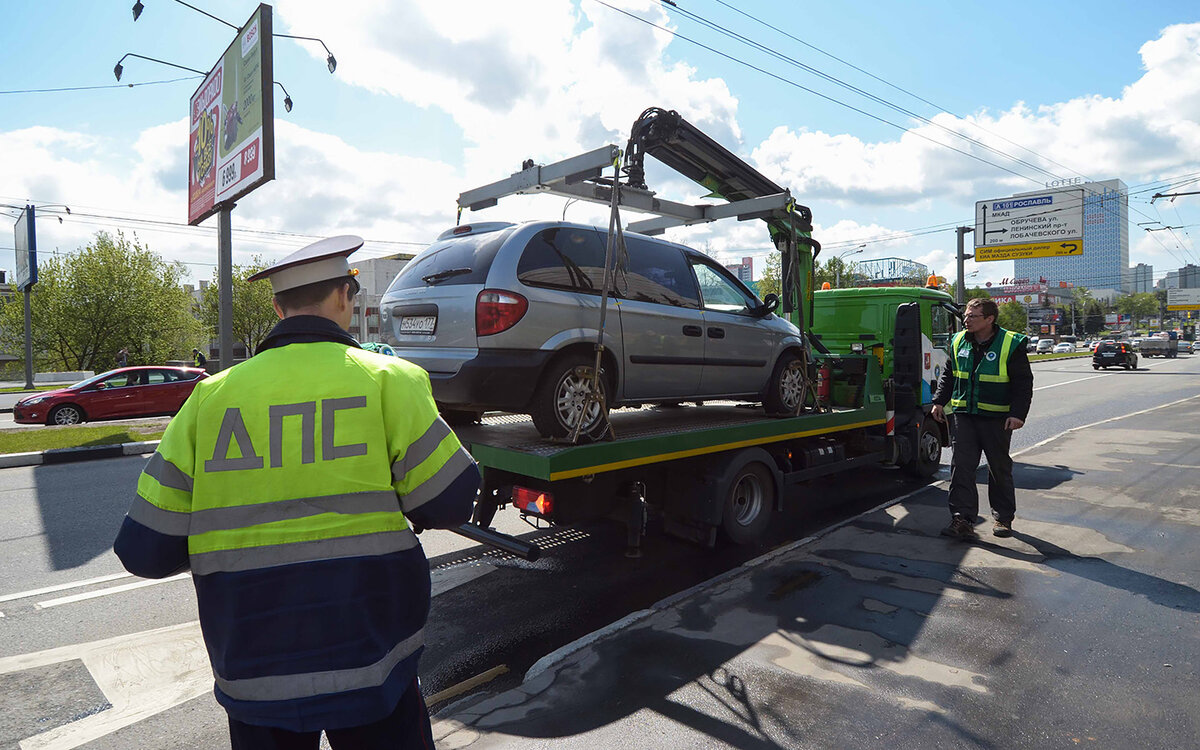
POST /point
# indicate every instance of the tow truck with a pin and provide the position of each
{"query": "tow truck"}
(710, 470)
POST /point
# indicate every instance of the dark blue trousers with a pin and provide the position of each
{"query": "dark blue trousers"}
(406, 728)
(973, 436)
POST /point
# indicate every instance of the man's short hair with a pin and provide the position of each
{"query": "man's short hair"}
(985, 305)
(313, 294)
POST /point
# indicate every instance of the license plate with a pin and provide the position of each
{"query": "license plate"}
(1109, 354)
(418, 324)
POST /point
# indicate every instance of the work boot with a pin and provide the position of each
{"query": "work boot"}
(1001, 528)
(960, 528)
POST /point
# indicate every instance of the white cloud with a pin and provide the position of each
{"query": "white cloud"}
(1152, 130)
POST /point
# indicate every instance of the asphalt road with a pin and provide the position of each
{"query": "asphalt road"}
(94, 658)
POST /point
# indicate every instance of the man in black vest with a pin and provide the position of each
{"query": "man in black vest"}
(989, 387)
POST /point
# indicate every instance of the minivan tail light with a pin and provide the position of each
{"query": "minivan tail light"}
(497, 311)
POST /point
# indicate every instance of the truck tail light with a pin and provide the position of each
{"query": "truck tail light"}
(497, 311)
(532, 501)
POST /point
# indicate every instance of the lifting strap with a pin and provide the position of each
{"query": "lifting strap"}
(616, 254)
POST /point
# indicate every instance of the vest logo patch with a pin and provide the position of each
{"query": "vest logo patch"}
(991, 356)
(964, 352)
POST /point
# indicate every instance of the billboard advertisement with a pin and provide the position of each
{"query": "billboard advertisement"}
(231, 138)
(25, 242)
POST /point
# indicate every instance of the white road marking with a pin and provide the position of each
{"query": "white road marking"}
(1067, 382)
(143, 674)
(63, 587)
(1093, 377)
(110, 590)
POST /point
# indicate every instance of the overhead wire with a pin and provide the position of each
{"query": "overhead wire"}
(855, 89)
(105, 86)
(851, 107)
(901, 89)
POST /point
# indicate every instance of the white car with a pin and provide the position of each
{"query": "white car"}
(1066, 347)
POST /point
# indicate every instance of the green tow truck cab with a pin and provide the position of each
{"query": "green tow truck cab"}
(908, 330)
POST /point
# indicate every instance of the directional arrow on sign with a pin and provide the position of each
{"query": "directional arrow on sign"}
(1070, 247)
(996, 231)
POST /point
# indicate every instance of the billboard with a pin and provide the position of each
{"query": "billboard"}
(25, 242)
(231, 138)
(1183, 299)
(1038, 225)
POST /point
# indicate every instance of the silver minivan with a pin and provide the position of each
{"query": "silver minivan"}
(506, 316)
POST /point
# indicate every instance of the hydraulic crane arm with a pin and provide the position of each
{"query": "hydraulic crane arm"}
(683, 147)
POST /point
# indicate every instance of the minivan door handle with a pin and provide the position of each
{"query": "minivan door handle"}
(716, 333)
(692, 330)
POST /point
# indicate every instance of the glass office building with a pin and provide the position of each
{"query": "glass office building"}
(1105, 260)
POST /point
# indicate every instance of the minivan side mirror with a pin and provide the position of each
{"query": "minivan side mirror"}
(770, 303)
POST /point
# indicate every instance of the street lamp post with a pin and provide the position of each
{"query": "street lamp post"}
(838, 270)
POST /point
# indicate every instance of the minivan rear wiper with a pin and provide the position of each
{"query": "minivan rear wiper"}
(434, 278)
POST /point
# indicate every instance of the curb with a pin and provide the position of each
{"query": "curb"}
(71, 455)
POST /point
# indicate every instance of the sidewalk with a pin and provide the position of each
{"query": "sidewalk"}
(1083, 629)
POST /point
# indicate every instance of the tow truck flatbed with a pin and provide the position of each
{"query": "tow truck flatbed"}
(649, 435)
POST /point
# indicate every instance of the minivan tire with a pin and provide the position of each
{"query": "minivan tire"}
(562, 392)
(786, 387)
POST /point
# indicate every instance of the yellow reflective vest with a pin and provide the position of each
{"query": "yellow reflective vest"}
(982, 387)
(290, 477)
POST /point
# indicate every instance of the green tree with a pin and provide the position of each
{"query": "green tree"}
(1013, 317)
(1138, 306)
(114, 293)
(253, 314)
(769, 283)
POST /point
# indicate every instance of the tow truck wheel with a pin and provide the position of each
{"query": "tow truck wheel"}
(749, 503)
(786, 388)
(561, 400)
(927, 453)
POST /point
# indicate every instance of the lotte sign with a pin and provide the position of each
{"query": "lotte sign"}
(1039, 225)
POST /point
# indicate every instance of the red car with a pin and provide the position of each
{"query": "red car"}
(126, 392)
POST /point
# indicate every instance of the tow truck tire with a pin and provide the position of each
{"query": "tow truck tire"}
(927, 453)
(559, 397)
(786, 386)
(750, 499)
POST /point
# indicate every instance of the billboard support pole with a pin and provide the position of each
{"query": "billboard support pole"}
(28, 343)
(225, 284)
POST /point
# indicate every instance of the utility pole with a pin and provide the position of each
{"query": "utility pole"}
(961, 296)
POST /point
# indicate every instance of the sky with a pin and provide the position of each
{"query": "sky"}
(889, 120)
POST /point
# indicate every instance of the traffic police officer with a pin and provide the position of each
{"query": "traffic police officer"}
(291, 485)
(989, 387)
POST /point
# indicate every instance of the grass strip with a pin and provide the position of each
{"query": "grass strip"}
(50, 438)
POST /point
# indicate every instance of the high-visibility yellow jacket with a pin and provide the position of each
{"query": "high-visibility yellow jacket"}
(982, 384)
(287, 485)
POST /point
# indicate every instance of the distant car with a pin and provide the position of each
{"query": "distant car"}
(1064, 347)
(1093, 344)
(1045, 345)
(1112, 354)
(116, 394)
(1187, 347)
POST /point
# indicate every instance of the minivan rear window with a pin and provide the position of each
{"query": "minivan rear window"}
(456, 260)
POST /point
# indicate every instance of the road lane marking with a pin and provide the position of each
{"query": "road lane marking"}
(63, 587)
(110, 590)
(1067, 382)
(143, 674)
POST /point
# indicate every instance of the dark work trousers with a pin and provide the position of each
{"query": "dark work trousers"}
(407, 728)
(974, 435)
